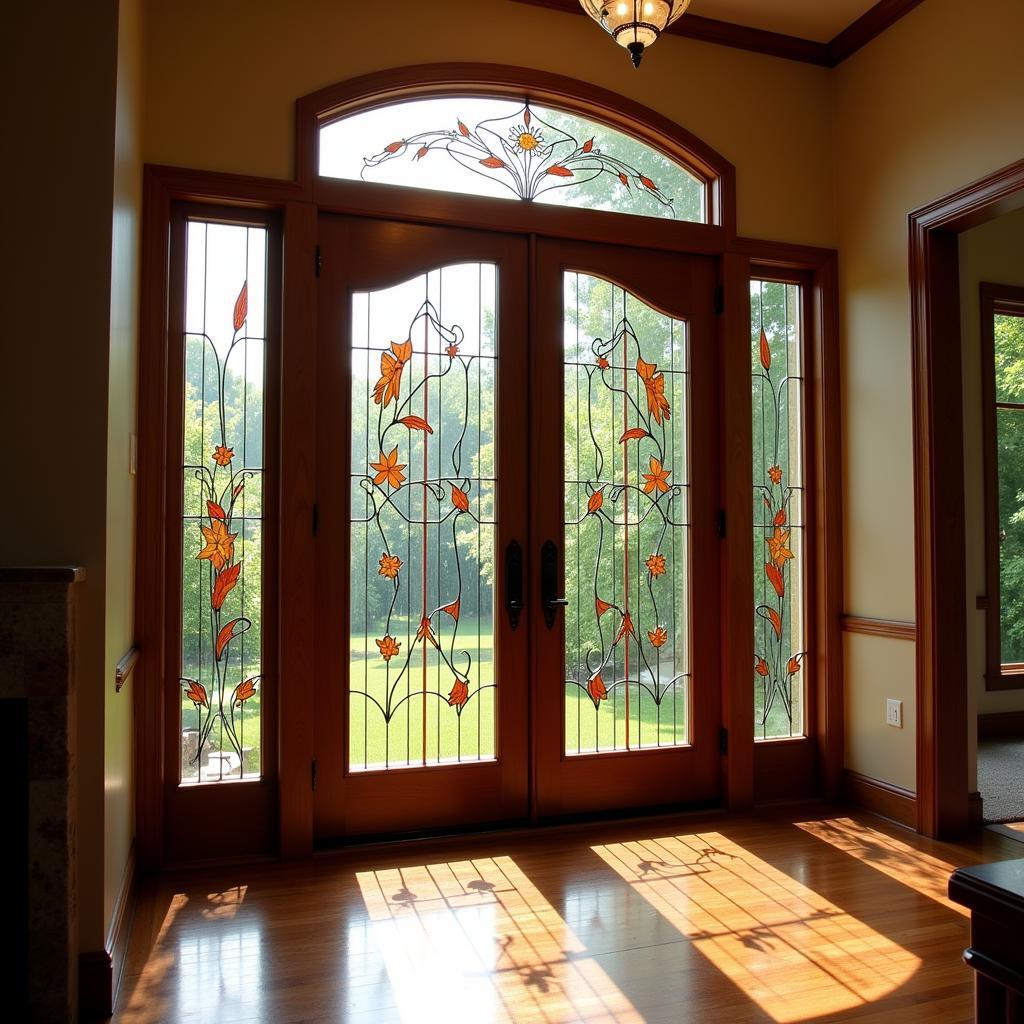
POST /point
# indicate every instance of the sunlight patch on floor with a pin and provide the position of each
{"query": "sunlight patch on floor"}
(925, 874)
(475, 941)
(791, 951)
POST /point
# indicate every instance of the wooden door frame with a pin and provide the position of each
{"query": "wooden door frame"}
(299, 203)
(941, 582)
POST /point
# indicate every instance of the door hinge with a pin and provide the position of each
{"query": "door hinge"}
(318, 261)
(312, 775)
(316, 518)
(720, 523)
(719, 299)
(723, 741)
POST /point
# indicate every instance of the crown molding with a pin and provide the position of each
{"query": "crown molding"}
(775, 44)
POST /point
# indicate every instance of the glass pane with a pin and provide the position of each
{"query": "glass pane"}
(513, 150)
(779, 528)
(421, 668)
(1010, 441)
(1009, 352)
(627, 627)
(222, 527)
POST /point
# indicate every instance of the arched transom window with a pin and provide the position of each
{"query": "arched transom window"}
(512, 149)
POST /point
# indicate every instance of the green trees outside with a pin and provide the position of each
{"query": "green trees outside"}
(1009, 368)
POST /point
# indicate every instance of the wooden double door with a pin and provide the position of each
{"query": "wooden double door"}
(517, 560)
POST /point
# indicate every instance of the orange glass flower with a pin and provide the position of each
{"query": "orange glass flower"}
(597, 690)
(459, 694)
(222, 455)
(426, 632)
(657, 479)
(778, 545)
(196, 693)
(776, 474)
(220, 545)
(389, 566)
(391, 363)
(388, 646)
(389, 468)
(243, 692)
(654, 384)
(656, 565)
(761, 667)
(793, 665)
(658, 637)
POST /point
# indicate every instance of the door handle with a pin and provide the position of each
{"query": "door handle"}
(514, 582)
(549, 598)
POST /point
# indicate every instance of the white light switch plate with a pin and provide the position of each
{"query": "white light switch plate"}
(894, 713)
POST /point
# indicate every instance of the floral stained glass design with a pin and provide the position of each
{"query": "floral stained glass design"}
(778, 496)
(222, 526)
(510, 149)
(421, 667)
(627, 634)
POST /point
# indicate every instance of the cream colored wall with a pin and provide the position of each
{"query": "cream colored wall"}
(932, 104)
(222, 80)
(53, 388)
(120, 525)
(993, 252)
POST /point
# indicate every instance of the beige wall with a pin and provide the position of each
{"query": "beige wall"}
(993, 252)
(221, 88)
(53, 389)
(932, 104)
(124, 309)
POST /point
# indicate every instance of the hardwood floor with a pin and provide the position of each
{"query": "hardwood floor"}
(812, 916)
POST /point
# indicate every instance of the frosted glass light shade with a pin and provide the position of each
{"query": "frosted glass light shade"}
(635, 24)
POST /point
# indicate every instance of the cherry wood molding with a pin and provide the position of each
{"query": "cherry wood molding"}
(891, 628)
(870, 24)
(934, 261)
(892, 802)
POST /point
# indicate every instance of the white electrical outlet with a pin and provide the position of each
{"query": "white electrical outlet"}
(894, 713)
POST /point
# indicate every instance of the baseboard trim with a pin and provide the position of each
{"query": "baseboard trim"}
(882, 798)
(1001, 725)
(99, 971)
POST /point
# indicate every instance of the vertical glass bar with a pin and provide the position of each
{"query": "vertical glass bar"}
(625, 389)
(780, 541)
(421, 664)
(222, 491)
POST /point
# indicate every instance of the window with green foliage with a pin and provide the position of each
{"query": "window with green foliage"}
(510, 149)
(222, 502)
(779, 501)
(1008, 345)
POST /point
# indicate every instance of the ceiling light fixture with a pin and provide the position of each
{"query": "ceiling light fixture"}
(635, 24)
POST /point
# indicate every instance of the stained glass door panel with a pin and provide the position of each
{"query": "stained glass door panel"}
(627, 629)
(419, 495)
(625, 378)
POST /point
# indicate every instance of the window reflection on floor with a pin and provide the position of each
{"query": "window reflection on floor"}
(475, 941)
(791, 951)
(900, 861)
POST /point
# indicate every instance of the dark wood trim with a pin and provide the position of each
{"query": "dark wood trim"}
(994, 298)
(1001, 725)
(891, 628)
(48, 574)
(975, 811)
(892, 802)
(868, 26)
(775, 44)
(124, 668)
(939, 495)
(95, 986)
(625, 115)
